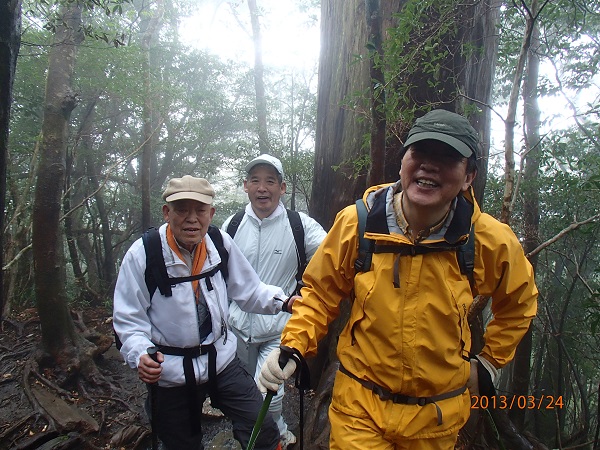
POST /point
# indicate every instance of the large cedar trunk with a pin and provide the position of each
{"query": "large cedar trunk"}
(339, 133)
(344, 71)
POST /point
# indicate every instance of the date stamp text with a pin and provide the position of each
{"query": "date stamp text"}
(516, 401)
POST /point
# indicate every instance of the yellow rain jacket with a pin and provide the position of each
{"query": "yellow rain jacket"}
(412, 338)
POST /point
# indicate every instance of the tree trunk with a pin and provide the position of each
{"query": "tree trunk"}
(147, 144)
(293, 149)
(58, 334)
(259, 83)
(340, 168)
(74, 172)
(531, 16)
(70, 236)
(378, 121)
(531, 217)
(107, 267)
(339, 133)
(10, 41)
(477, 78)
(151, 30)
(17, 241)
(99, 273)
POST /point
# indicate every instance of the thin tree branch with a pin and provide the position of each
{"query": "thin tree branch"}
(582, 128)
(487, 105)
(561, 234)
(16, 258)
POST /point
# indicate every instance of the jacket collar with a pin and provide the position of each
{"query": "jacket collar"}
(455, 231)
(278, 211)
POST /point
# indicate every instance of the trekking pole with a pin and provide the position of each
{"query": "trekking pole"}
(153, 401)
(283, 359)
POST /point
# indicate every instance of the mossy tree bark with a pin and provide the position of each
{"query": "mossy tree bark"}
(62, 346)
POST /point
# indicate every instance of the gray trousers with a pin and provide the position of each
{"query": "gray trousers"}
(252, 356)
(239, 399)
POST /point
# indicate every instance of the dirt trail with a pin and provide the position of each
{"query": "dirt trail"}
(119, 415)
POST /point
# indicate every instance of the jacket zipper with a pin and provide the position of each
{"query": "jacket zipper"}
(251, 328)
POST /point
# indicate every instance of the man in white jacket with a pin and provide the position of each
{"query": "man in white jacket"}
(196, 353)
(265, 236)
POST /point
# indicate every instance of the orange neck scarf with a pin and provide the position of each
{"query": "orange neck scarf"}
(199, 256)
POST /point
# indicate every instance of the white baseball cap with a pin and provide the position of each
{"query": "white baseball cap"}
(265, 159)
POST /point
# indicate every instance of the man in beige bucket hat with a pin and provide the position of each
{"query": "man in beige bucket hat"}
(185, 320)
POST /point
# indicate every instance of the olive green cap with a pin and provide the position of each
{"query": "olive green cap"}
(448, 127)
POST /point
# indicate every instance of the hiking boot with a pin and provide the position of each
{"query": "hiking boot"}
(287, 439)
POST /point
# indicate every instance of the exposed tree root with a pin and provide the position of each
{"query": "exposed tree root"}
(115, 399)
(37, 440)
(16, 426)
(60, 390)
(140, 440)
(19, 326)
(27, 372)
(101, 341)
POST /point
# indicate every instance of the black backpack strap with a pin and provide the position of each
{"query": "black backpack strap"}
(466, 257)
(217, 238)
(156, 272)
(234, 223)
(298, 232)
(465, 253)
(365, 246)
(156, 275)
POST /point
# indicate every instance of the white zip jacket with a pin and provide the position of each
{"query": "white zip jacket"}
(270, 248)
(141, 322)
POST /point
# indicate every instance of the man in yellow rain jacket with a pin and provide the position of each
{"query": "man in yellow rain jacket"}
(404, 353)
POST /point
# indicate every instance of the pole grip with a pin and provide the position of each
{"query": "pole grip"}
(152, 353)
(284, 356)
(283, 359)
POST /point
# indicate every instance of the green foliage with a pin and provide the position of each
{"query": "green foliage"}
(203, 122)
(352, 168)
(592, 305)
(567, 184)
(48, 12)
(226, 209)
(568, 43)
(430, 25)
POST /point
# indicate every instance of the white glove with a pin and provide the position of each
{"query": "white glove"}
(271, 375)
(474, 383)
(490, 368)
